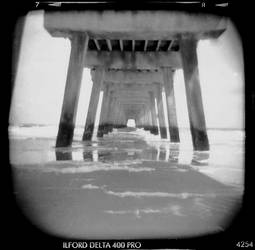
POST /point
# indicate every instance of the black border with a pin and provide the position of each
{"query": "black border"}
(20, 233)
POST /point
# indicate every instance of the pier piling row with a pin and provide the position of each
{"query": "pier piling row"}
(133, 56)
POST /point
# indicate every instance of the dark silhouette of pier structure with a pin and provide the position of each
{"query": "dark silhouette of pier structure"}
(133, 56)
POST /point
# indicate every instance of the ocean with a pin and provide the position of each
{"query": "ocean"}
(128, 184)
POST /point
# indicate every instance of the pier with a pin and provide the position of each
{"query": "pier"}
(133, 56)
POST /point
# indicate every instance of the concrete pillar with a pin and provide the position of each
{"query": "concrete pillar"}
(79, 44)
(143, 120)
(114, 113)
(139, 118)
(149, 122)
(170, 103)
(123, 119)
(149, 115)
(127, 118)
(120, 118)
(118, 115)
(188, 48)
(148, 118)
(154, 129)
(138, 121)
(97, 79)
(102, 128)
(146, 124)
(108, 117)
(161, 116)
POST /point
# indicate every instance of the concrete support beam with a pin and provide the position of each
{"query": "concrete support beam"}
(97, 79)
(141, 115)
(119, 121)
(135, 104)
(121, 45)
(188, 47)
(158, 45)
(130, 78)
(97, 44)
(114, 113)
(133, 45)
(79, 45)
(133, 61)
(103, 127)
(116, 117)
(138, 121)
(139, 93)
(148, 119)
(133, 98)
(171, 107)
(161, 116)
(144, 118)
(154, 129)
(123, 118)
(145, 45)
(109, 44)
(131, 91)
(170, 45)
(109, 112)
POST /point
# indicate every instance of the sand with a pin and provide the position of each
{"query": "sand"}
(126, 186)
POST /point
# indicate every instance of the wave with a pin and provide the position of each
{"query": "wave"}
(159, 194)
(40, 130)
(85, 168)
(173, 209)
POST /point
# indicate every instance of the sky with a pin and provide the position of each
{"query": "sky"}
(42, 68)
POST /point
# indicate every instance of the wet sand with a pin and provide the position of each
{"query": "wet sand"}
(122, 187)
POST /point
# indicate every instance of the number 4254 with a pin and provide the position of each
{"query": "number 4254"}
(244, 244)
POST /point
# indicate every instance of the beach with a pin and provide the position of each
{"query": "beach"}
(128, 184)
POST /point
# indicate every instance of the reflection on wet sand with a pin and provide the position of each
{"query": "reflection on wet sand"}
(63, 156)
(97, 153)
(163, 152)
(200, 158)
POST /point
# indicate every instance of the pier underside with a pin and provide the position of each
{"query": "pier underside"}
(133, 57)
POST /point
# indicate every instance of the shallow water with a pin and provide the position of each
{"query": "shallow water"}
(129, 184)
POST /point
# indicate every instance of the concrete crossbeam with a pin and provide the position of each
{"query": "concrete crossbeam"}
(134, 102)
(128, 76)
(133, 60)
(132, 92)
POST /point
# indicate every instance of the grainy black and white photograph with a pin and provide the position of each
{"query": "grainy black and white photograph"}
(128, 124)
